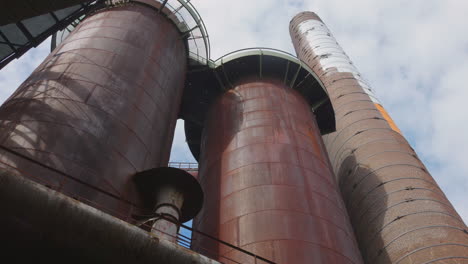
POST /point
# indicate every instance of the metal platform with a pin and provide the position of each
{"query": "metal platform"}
(206, 83)
(182, 13)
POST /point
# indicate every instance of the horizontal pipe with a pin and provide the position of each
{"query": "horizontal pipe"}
(46, 224)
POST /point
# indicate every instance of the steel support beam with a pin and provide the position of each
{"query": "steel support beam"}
(15, 11)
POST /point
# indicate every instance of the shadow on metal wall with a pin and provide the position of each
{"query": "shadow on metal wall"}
(25, 126)
(357, 211)
(31, 148)
(219, 131)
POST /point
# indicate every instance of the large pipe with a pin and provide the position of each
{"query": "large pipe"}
(267, 180)
(101, 107)
(42, 225)
(399, 213)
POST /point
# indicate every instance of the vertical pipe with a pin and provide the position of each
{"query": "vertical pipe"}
(398, 212)
(169, 201)
(100, 108)
(268, 182)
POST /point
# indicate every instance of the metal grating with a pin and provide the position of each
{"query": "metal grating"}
(17, 38)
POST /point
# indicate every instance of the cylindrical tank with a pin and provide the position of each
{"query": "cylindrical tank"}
(101, 107)
(268, 184)
(398, 212)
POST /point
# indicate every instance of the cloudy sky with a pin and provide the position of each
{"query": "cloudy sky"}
(414, 54)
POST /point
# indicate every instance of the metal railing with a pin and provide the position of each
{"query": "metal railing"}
(187, 166)
(182, 13)
(186, 242)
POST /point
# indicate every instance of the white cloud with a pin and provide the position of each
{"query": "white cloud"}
(414, 53)
(12, 75)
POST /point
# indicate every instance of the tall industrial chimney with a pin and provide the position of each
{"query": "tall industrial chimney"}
(399, 213)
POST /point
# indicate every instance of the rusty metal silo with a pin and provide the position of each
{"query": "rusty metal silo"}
(101, 107)
(268, 183)
(399, 213)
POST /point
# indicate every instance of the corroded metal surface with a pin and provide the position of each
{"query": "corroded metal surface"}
(169, 200)
(269, 187)
(398, 212)
(101, 107)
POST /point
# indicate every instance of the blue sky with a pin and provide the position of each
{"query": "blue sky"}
(414, 54)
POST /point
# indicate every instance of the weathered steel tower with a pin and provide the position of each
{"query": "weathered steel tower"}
(398, 212)
(101, 107)
(269, 186)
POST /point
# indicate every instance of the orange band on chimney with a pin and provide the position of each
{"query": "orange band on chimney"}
(388, 118)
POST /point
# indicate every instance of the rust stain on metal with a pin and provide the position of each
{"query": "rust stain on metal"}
(269, 183)
(102, 106)
(398, 212)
